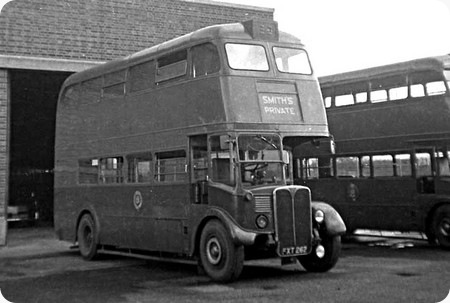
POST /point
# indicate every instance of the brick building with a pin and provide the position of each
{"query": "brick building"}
(42, 42)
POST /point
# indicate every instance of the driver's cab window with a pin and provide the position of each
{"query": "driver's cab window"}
(443, 162)
(221, 160)
(260, 158)
(423, 164)
(199, 154)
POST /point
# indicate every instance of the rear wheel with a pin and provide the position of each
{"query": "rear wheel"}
(220, 258)
(87, 237)
(323, 257)
(440, 226)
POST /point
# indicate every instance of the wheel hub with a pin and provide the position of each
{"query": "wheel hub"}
(213, 251)
(444, 227)
(88, 236)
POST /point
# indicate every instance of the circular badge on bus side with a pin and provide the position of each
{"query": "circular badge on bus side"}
(353, 192)
(137, 200)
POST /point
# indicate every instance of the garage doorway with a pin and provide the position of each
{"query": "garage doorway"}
(33, 99)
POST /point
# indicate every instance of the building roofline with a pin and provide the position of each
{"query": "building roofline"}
(229, 4)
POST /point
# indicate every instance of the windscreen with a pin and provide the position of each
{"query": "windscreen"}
(247, 57)
(261, 159)
(292, 60)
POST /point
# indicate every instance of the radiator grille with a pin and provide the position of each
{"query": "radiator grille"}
(263, 204)
(293, 220)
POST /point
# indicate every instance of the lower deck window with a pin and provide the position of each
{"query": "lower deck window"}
(383, 166)
(139, 168)
(423, 164)
(347, 167)
(171, 166)
(314, 168)
(110, 170)
(403, 165)
(103, 171)
(88, 171)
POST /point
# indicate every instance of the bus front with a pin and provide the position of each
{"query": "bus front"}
(273, 109)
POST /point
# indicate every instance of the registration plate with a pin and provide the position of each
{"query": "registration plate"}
(294, 250)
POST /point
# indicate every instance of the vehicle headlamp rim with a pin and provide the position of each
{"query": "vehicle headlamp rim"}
(262, 221)
(319, 216)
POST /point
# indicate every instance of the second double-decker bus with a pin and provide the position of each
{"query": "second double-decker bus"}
(391, 126)
(184, 150)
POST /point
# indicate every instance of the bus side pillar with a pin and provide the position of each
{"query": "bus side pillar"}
(201, 192)
(425, 185)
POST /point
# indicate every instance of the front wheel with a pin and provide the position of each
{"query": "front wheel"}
(324, 256)
(220, 258)
(440, 226)
(87, 237)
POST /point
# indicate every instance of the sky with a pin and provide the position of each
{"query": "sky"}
(345, 35)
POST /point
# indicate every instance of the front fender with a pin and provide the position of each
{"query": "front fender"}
(238, 235)
(333, 221)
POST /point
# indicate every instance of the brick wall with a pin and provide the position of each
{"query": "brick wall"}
(106, 29)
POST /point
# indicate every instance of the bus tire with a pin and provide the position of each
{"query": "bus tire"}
(313, 263)
(220, 258)
(440, 226)
(87, 237)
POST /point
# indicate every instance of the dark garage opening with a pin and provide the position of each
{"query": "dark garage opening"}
(33, 102)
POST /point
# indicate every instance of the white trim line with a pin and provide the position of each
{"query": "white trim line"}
(48, 64)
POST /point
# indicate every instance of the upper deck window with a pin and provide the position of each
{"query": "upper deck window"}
(142, 76)
(417, 90)
(114, 84)
(171, 66)
(447, 75)
(247, 57)
(292, 60)
(342, 100)
(205, 60)
(435, 88)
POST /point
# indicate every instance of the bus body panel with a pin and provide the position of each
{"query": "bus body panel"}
(355, 199)
(159, 146)
(391, 127)
(157, 225)
(287, 104)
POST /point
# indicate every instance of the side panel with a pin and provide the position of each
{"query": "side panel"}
(155, 221)
(373, 203)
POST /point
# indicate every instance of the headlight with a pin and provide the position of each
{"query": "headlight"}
(262, 221)
(319, 216)
(320, 251)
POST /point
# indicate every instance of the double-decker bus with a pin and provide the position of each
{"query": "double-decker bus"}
(184, 150)
(391, 126)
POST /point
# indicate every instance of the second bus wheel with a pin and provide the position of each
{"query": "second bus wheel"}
(440, 226)
(87, 237)
(221, 259)
(324, 256)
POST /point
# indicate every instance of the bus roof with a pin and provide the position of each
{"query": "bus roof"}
(437, 64)
(247, 30)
